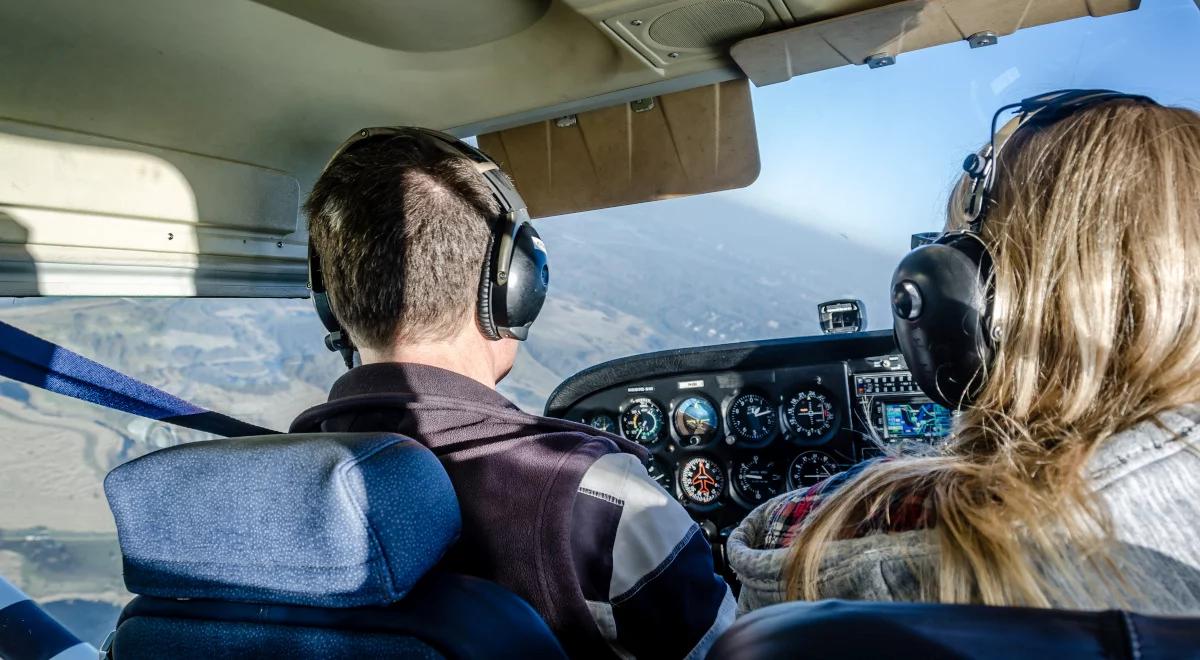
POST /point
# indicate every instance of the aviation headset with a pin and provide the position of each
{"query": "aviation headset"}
(515, 274)
(942, 292)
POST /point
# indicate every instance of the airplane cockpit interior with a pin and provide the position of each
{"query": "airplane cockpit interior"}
(730, 428)
(731, 219)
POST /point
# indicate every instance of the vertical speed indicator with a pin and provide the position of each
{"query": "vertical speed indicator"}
(810, 468)
(757, 479)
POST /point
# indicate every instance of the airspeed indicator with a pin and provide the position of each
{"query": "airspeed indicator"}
(642, 421)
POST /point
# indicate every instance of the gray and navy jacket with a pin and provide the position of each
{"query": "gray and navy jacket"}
(561, 514)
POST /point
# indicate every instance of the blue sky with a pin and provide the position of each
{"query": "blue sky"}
(872, 153)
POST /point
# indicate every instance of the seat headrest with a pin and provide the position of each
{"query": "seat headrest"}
(322, 519)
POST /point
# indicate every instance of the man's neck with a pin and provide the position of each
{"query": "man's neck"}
(463, 355)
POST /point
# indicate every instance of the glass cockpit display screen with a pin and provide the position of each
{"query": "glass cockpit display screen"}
(897, 409)
(911, 419)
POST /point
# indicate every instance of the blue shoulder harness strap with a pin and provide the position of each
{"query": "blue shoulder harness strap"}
(40, 363)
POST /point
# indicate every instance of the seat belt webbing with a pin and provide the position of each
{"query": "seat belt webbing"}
(37, 362)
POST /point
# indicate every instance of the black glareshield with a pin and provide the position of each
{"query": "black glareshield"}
(516, 304)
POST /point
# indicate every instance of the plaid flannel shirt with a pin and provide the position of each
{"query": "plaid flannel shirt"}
(907, 513)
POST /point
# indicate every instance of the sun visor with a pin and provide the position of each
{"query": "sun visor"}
(82, 215)
(876, 36)
(687, 143)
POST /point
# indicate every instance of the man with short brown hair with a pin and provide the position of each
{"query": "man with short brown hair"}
(561, 514)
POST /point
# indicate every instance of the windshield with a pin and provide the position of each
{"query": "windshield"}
(853, 162)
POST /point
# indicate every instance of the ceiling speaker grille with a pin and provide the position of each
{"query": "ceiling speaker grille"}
(707, 24)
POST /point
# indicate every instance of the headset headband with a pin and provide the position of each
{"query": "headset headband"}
(980, 168)
(507, 196)
(512, 207)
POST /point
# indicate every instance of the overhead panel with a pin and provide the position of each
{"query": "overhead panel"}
(686, 143)
(669, 33)
(879, 33)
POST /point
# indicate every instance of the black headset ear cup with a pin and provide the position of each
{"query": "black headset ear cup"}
(483, 311)
(527, 284)
(941, 312)
(338, 339)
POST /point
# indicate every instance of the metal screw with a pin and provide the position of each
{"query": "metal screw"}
(642, 105)
(985, 38)
(880, 60)
(636, 22)
(566, 122)
(278, 244)
(170, 236)
(672, 55)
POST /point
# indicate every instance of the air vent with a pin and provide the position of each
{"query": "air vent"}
(689, 29)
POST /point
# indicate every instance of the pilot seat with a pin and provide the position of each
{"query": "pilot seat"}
(922, 631)
(313, 545)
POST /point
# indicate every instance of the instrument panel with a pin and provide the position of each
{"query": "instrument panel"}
(727, 439)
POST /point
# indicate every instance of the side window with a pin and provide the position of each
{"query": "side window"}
(259, 360)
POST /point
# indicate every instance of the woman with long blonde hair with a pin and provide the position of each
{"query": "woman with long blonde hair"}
(1072, 476)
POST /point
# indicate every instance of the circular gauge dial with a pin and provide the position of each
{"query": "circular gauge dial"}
(811, 467)
(701, 480)
(757, 479)
(642, 421)
(659, 472)
(809, 414)
(695, 421)
(603, 422)
(752, 417)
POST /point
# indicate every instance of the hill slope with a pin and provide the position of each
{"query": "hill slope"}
(680, 273)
